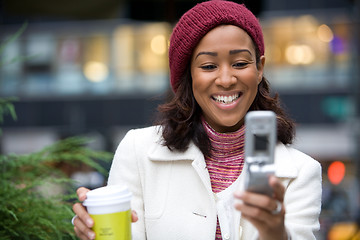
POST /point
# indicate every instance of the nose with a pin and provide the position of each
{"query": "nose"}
(226, 78)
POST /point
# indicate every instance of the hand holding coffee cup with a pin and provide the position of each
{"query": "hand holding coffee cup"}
(87, 225)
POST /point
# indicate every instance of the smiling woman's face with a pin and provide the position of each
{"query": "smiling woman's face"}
(225, 76)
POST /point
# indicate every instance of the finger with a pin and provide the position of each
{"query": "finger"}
(278, 188)
(266, 223)
(259, 217)
(134, 216)
(83, 215)
(254, 211)
(81, 192)
(250, 211)
(82, 230)
(257, 200)
(80, 235)
(260, 201)
(275, 227)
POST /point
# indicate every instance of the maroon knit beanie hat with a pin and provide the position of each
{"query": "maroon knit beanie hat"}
(197, 22)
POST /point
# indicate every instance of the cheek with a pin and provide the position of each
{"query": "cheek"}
(252, 80)
(253, 89)
(199, 85)
(200, 94)
(254, 85)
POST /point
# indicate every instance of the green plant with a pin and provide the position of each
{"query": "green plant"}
(6, 107)
(29, 206)
(27, 210)
(7, 42)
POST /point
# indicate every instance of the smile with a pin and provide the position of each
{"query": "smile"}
(226, 99)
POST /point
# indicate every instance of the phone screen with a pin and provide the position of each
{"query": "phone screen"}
(261, 143)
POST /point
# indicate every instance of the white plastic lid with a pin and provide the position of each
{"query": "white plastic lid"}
(107, 195)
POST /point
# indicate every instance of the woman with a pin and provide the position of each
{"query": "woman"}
(186, 173)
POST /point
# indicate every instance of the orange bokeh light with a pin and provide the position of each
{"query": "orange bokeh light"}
(336, 172)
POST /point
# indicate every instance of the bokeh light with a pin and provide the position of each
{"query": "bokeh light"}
(336, 172)
(324, 33)
(299, 54)
(158, 44)
(96, 71)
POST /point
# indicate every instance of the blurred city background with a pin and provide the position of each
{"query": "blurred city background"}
(99, 67)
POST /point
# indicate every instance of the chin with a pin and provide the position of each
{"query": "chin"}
(231, 126)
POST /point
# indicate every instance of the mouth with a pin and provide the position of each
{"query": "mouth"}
(226, 99)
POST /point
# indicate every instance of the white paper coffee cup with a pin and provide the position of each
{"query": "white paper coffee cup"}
(110, 209)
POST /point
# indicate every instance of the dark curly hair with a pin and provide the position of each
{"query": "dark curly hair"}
(180, 117)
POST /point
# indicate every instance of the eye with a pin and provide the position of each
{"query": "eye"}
(208, 67)
(240, 64)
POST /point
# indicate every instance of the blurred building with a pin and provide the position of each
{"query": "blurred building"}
(100, 67)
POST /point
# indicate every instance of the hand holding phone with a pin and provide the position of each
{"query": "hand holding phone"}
(260, 141)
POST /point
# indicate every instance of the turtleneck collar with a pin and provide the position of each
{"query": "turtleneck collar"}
(226, 159)
(225, 145)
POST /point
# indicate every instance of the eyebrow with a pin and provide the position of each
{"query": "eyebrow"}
(214, 54)
(231, 52)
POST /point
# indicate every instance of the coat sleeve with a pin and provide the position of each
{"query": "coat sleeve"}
(125, 169)
(303, 199)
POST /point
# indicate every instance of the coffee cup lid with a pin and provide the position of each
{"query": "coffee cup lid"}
(107, 195)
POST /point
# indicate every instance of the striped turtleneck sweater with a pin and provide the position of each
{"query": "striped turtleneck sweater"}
(226, 159)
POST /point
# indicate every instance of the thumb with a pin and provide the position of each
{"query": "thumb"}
(134, 216)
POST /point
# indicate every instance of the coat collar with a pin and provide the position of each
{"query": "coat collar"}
(285, 167)
(159, 152)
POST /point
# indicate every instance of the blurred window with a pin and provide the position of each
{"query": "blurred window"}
(86, 58)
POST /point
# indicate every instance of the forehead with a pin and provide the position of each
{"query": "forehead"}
(223, 37)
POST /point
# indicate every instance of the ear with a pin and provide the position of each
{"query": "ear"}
(260, 67)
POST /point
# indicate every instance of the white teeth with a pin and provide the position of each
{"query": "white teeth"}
(226, 99)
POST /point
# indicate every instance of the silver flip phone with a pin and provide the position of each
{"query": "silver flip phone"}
(260, 141)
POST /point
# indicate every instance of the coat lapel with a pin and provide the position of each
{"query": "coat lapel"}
(284, 165)
(158, 152)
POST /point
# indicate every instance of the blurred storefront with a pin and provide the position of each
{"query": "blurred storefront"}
(82, 59)
(80, 77)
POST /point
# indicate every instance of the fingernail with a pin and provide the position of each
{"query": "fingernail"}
(89, 222)
(237, 203)
(91, 235)
(82, 197)
(134, 216)
(238, 194)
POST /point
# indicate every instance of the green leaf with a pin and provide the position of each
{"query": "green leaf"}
(7, 107)
(13, 37)
(27, 210)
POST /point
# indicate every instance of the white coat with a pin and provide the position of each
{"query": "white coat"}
(173, 198)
